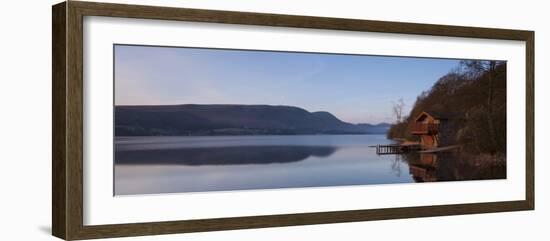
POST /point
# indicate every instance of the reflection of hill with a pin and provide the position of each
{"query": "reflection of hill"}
(222, 155)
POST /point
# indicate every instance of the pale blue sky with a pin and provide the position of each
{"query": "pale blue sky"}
(355, 88)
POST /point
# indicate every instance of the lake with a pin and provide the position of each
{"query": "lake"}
(150, 165)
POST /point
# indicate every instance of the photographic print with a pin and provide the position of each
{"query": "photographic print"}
(196, 120)
(204, 119)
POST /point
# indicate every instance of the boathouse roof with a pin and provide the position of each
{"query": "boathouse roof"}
(434, 114)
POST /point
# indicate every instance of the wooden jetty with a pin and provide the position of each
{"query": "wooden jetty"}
(388, 149)
(395, 149)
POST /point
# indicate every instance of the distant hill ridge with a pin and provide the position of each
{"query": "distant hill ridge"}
(222, 119)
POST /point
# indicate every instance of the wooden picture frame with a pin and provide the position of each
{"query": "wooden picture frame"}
(67, 150)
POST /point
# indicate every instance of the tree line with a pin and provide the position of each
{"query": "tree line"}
(474, 94)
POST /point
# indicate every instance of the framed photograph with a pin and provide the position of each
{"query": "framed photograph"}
(171, 120)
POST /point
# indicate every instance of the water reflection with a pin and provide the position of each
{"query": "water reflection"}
(148, 165)
(451, 166)
(232, 155)
(396, 165)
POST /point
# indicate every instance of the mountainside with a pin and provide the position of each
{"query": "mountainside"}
(230, 120)
(381, 128)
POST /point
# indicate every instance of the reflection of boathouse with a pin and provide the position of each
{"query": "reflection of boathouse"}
(430, 127)
(424, 169)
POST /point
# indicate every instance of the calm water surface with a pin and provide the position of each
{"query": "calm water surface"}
(149, 165)
(146, 165)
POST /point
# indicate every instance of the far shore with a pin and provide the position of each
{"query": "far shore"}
(342, 134)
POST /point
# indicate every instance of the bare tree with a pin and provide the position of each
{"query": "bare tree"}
(398, 110)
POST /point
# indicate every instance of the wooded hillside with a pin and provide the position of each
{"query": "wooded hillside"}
(474, 94)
